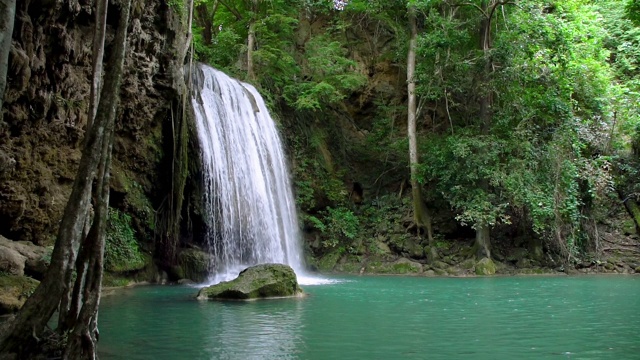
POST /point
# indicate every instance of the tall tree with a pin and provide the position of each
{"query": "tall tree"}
(421, 216)
(24, 330)
(487, 9)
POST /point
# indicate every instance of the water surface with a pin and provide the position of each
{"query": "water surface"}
(385, 318)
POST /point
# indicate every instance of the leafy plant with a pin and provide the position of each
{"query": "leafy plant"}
(122, 252)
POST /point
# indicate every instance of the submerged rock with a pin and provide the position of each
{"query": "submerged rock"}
(256, 282)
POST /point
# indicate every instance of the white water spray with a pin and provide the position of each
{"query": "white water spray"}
(248, 195)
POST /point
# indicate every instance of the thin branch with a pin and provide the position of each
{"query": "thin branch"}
(446, 102)
(477, 7)
(233, 10)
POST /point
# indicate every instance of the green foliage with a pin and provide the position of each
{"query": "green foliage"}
(122, 252)
(632, 10)
(179, 7)
(339, 226)
(551, 90)
(561, 79)
(330, 76)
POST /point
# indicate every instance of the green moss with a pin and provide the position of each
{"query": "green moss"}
(14, 291)
(468, 264)
(194, 264)
(485, 267)
(115, 280)
(351, 266)
(329, 261)
(405, 268)
(261, 281)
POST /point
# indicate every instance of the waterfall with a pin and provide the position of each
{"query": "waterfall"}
(248, 197)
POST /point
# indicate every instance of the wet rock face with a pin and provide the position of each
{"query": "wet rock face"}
(256, 282)
(46, 105)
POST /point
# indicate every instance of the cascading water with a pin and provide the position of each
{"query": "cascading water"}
(248, 194)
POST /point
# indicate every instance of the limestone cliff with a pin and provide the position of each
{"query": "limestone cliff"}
(46, 103)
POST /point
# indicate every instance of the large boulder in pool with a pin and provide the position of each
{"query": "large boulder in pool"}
(256, 282)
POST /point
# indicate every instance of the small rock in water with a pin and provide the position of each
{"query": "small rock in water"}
(256, 282)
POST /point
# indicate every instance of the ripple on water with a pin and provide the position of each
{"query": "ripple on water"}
(384, 318)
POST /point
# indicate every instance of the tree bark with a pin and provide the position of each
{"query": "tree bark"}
(634, 211)
(483, 241)
(98, 54)
(483, 232)
(84, 335)
(7, 19)
(206, 21)
(421, 216)
(251, 43)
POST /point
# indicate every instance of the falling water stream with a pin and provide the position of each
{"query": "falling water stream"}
(248, 195)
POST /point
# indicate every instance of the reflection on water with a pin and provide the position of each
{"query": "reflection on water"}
(385, 318)
(252, 331)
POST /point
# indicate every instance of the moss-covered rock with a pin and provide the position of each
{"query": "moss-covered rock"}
(468, 264)
(485, 267)
(14, 291)
(329, 261)
(256, 282)
(406, 266)
(431, 252)
(350, 264)
(194, 264)
(400, 266)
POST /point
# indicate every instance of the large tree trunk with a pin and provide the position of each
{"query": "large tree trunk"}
(94, 98)
(483, 242)
(28, 325)
(84, 335)
(483, 233)
(421, 216)
(205, 20)
(7, 18)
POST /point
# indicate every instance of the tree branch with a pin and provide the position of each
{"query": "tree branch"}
(233, 10)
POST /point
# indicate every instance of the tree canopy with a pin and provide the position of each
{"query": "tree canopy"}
(531, 103)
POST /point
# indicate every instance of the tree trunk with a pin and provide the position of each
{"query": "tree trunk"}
(84, 335)
(30, 321)
(206, 21)
(483, 242)
(483, 233)
(634, 210)
(251, 43)
(421, 216)
(98, 53)
(7, 18)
